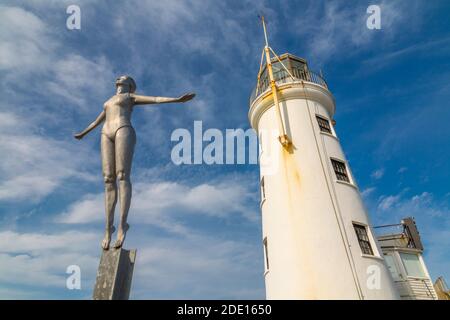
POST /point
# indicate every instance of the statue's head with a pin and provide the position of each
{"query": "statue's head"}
(125, 84)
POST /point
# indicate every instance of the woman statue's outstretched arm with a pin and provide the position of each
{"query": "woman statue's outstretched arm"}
(152, 100)
(92, 126)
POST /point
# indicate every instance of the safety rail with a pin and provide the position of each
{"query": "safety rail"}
(282, 76)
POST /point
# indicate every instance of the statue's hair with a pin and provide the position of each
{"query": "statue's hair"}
(128, 80)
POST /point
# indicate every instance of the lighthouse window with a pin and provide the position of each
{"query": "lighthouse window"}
(324, 124)
(363, 239)
(263, 191)
(340, 170)
(266, 254)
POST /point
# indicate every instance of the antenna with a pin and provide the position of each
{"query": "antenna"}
(265, 30)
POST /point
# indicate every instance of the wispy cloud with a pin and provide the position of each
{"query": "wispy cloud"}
(25, 43)
(160, 203)
(420, 204)
(367, 192)
(402, 169)
(432, 216)
(387, 202)
(205, 266)
(38, 260)
(383, 60)
(377, 174)
(195, 265)
(39, 162)
(337, 29)
(33, 167)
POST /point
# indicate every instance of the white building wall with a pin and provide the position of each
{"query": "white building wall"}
(307, 216)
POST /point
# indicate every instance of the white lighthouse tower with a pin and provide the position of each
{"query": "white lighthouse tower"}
(317, 237)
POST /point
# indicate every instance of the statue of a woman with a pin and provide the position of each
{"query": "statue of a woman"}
(117, 146)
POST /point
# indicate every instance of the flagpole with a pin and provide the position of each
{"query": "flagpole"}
(283, 138)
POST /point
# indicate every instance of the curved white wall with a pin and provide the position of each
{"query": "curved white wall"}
(307, 216)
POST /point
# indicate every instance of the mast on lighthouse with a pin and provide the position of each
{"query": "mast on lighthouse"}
(317, 237)
(283, 138)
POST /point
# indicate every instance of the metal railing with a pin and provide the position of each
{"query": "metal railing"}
(282, 76)
(416, 289)
(389, 230)
(397, 231)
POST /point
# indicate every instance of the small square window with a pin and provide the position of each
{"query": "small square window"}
(363, 239)
(324, 124)
(340, 170)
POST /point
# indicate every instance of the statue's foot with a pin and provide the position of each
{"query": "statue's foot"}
(121, 236)
(107, 240)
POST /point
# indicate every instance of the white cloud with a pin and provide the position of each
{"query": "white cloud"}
(35, 242)
(380, 61)
(25, 42)
(433, 221)
(39, 260)
(88, 209)
(419, 204)
(367, 192)
(77, 79)
(159, 203)
(200, 267)
(30, 49)
(402, 169)
(193, 265)
(35, 164)
(387, 202)
(377, 174)
(8, 293)
(339, 29)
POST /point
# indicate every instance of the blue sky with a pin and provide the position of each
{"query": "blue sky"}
(197, 227)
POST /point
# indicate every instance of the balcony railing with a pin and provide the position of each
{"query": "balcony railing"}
(414, 288)
(282, 76)
(404, 234)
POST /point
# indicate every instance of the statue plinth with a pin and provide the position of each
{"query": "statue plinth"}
(114, 274)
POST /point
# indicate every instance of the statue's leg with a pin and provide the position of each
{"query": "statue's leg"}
(125, 141)
(109, 176)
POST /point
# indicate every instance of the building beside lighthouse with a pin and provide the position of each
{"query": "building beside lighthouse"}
(403, 252)
(318, 240)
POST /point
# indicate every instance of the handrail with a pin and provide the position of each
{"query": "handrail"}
(281, 76)
(418, 288)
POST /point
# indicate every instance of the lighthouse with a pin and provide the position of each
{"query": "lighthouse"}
(317, 239)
